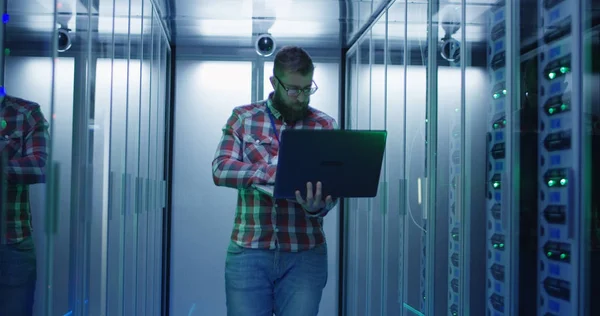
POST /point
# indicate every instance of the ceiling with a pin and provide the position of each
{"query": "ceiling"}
(236, 23)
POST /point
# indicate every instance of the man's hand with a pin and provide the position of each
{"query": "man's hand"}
(313, 203)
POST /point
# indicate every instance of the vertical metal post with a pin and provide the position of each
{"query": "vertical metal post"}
(463, 207)
(431, 155)
(4, 6)
(511, 175)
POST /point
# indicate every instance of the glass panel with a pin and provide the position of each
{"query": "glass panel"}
(208, 232)
(445, 168)
(144, 152)
(94, 300)
(358, 117)
(591, 153)
(349, 243)
(132, 175)
(118, 182)
(376, 233)
(415, 100)
(151, 59)
(164, 105)
(394, 256)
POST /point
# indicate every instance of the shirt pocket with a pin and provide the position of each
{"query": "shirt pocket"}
(258, 149)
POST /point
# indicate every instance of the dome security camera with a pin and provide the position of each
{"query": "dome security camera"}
(265, 45)
(64, 40)
(450, 49)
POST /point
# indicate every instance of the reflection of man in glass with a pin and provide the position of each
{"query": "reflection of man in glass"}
(23, 148)
(277, 257)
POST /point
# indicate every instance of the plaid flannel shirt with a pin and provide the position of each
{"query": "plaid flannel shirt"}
(243, 158)
(24, 133)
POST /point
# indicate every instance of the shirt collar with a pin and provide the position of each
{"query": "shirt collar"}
(273, 110)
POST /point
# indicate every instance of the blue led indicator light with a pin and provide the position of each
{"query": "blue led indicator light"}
(498, 227)
(555, 87)
(5, 18)
(456, 273)
(554, 269)
(554, 305)
(555, 233)
(499, 75)
(555, 160)
(457, 247)
(554, 15)
(2, 91)
(499, 136)
(499, 166)
(500, 106)
(499, 16)
(555, 123)
(554, 52)
(555, 197)
(498, 287)
(499, 45)
(497, 196)
(498, 257)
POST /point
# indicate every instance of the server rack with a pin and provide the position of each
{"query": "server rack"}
(559, 145)
(568, 195)
(497, 248)
(454, 220)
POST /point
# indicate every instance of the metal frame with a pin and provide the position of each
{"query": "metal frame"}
(431, 157)
(510, 201)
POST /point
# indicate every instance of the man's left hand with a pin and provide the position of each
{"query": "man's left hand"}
(313, 203)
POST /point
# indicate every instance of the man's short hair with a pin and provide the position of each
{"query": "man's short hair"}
(293, 59)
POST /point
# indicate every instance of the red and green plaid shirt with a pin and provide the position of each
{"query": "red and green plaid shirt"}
(24, 133)
(243, 158)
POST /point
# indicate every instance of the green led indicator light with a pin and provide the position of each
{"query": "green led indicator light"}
(549, 254)
(563, 107)
(564, 70)
(496, 184)
(552, 75)
(553, 182)
(562, 255)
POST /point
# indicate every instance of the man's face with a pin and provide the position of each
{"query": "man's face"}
(289, 98)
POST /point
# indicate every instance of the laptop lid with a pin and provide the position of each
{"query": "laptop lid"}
(347, 162)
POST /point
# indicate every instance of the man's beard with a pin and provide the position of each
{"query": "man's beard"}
(290, 113)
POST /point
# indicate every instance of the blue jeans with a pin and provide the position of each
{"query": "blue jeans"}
(263, 282)
(17, 278)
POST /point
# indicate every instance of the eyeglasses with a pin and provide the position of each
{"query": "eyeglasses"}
(296, 92)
